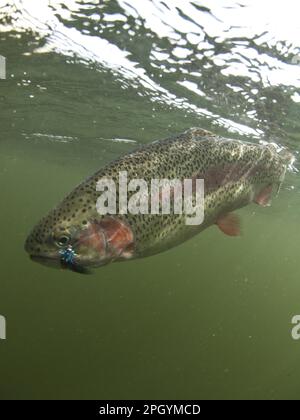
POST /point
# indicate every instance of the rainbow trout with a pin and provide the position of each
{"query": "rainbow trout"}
(75, 235)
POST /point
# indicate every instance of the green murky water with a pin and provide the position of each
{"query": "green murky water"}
(88, 81)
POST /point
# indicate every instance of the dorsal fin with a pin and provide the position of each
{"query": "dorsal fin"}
(198, 132)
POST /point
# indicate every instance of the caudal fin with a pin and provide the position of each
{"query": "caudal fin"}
(287, 157)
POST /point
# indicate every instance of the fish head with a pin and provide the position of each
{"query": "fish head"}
(78, 238)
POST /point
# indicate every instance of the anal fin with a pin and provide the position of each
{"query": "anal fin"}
(263, 198)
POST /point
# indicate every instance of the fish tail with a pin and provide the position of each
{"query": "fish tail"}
(288, 160)
(287, 157)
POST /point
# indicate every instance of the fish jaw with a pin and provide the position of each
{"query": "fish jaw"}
(74, 256)
(39, 253)
(98, 243)
(47, 261)
(60, 264)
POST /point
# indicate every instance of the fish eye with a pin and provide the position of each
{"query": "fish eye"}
(63, 240)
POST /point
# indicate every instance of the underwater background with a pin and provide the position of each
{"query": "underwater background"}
(87, 81)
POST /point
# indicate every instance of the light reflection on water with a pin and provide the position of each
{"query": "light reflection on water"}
(233, 64)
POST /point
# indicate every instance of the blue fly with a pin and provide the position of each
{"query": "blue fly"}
(68, 260)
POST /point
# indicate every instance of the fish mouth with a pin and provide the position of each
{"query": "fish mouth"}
(58, 263)
(44, 260)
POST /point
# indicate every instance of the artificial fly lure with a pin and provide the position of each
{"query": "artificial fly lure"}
(68, 260)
